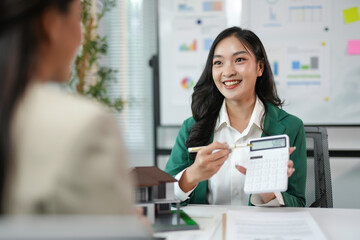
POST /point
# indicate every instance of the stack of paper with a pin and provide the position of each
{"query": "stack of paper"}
(270, 225)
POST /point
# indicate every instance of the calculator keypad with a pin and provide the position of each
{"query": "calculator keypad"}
(267, 174)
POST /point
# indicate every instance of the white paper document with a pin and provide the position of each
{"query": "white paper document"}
(250, 225)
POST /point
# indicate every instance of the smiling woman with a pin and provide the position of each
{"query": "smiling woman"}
(235, 67)
(234, 100)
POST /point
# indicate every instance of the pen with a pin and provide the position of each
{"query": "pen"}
(196, 149)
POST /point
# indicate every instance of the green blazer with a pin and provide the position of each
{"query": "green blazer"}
(276, 122)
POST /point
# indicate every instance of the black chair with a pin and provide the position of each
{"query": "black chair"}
(318, 181)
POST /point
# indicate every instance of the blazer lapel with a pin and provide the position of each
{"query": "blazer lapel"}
(272, 122)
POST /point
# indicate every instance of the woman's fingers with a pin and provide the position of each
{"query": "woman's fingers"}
(214, 146)
(220, 154)
(213, 152)
(291, 168)
(290, 164)
(219, 162)
(291, 150)
(241, 169)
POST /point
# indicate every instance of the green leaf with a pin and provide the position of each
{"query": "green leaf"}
(91, 51)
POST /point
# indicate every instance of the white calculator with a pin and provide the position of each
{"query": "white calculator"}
(267, 170)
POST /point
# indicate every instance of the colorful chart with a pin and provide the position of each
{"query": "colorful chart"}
(272, 15)
(184, 7)
(305, 13)
(306, 69)
(185, 48)
(314, 64)
(275, 68)
(207, 43)
(187, 83)
(209, 6)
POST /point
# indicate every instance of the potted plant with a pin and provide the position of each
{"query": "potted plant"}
(89, 76)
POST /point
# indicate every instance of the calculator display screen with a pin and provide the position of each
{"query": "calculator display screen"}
(268, 144)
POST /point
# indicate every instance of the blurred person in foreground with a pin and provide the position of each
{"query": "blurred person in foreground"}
(59, 153)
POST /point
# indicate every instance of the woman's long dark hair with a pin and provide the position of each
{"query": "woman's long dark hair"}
(207, 99)
(19, 39)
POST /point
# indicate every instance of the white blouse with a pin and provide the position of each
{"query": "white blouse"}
(226, 187)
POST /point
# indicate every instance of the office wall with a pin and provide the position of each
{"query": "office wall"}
(345, 172)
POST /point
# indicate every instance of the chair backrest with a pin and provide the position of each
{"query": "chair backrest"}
(318, 181)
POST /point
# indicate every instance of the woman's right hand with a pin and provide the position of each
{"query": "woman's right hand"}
(206, 164)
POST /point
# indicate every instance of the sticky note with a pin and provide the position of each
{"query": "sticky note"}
(353, 47)
(351, 15)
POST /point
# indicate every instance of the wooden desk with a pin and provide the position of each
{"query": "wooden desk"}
(336, 223)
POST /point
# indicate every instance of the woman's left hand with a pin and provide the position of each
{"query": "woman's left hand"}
(270, 196)
(291, 168)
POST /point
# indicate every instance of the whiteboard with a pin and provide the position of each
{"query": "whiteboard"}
(307, 42)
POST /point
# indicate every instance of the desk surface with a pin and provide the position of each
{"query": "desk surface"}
(336, 223)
